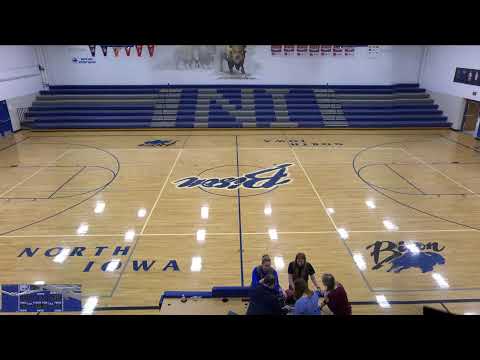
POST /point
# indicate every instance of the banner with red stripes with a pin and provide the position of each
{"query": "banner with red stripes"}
(337, 50)
(326, 50)
(314, 50)
(276, 50)
(349, 50)
(288, 50)
(302, 50)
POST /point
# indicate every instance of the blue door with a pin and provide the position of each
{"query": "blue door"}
(5, 121)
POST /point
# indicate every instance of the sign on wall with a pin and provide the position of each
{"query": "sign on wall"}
(373, 51)
(40, 298)
(302, 50)
(467, 76)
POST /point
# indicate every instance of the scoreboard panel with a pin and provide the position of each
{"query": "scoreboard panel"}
(40, 298)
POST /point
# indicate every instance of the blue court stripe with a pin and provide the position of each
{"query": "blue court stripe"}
(239, 217)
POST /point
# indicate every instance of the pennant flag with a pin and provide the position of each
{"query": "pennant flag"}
(276, 50)
(151, 49)
(116, 51)
(104, 50)
(92, 49)
(139, 49)
(314, 50)
(127, 50)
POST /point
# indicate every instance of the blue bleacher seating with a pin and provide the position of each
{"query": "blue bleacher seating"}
(234, 106)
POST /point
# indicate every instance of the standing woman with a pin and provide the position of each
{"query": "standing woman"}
(299, 269)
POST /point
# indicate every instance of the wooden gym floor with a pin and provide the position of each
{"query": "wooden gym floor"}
(116, 207)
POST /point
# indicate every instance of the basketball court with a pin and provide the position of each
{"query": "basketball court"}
(132, 214)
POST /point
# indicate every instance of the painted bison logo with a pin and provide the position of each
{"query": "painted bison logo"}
(424, 261)
(403, 256)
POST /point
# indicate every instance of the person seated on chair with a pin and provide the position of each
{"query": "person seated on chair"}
(307, 300)
(299, 269)
(259, 272)
(335, 297)
(264, 298)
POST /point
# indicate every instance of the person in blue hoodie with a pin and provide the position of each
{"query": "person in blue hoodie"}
(264, 299)
(265, 268)
(307, 300)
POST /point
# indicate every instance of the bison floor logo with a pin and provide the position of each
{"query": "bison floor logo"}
(402, 257)
(158, 143)
(259, 181)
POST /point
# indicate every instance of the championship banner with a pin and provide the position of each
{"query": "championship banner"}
(116, 51)
(288, 50)
(349, 50)
(151, 49)
(326, 50)
(302, 50)
(139, 49)
(337, 50)
(314, 50)
(92, 49)
(104, 50)
(276, 50)
(127, 50)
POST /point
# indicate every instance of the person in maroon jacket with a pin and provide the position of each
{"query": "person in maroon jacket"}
(335, 297)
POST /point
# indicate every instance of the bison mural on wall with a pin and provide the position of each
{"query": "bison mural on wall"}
(229, 58)
(234, 56)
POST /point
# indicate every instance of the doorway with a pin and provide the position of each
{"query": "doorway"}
(470, 117)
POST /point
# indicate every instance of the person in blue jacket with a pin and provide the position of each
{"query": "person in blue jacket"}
(264, 298)
(307, 300)
(265, 268)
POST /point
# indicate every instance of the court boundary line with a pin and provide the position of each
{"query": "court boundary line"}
(320, 132)
(330, 217)
(161, 192)
(66, 182)
(97, 191)
(137, 238)
(239, 215)
(439, 171)
(405, 179)
(244, 233)
(226, 148)
(34, 174)
(395, 190)
(15, 143)
(357, 171)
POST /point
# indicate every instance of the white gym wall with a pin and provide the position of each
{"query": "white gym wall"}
(20, 78)
(394, 64)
